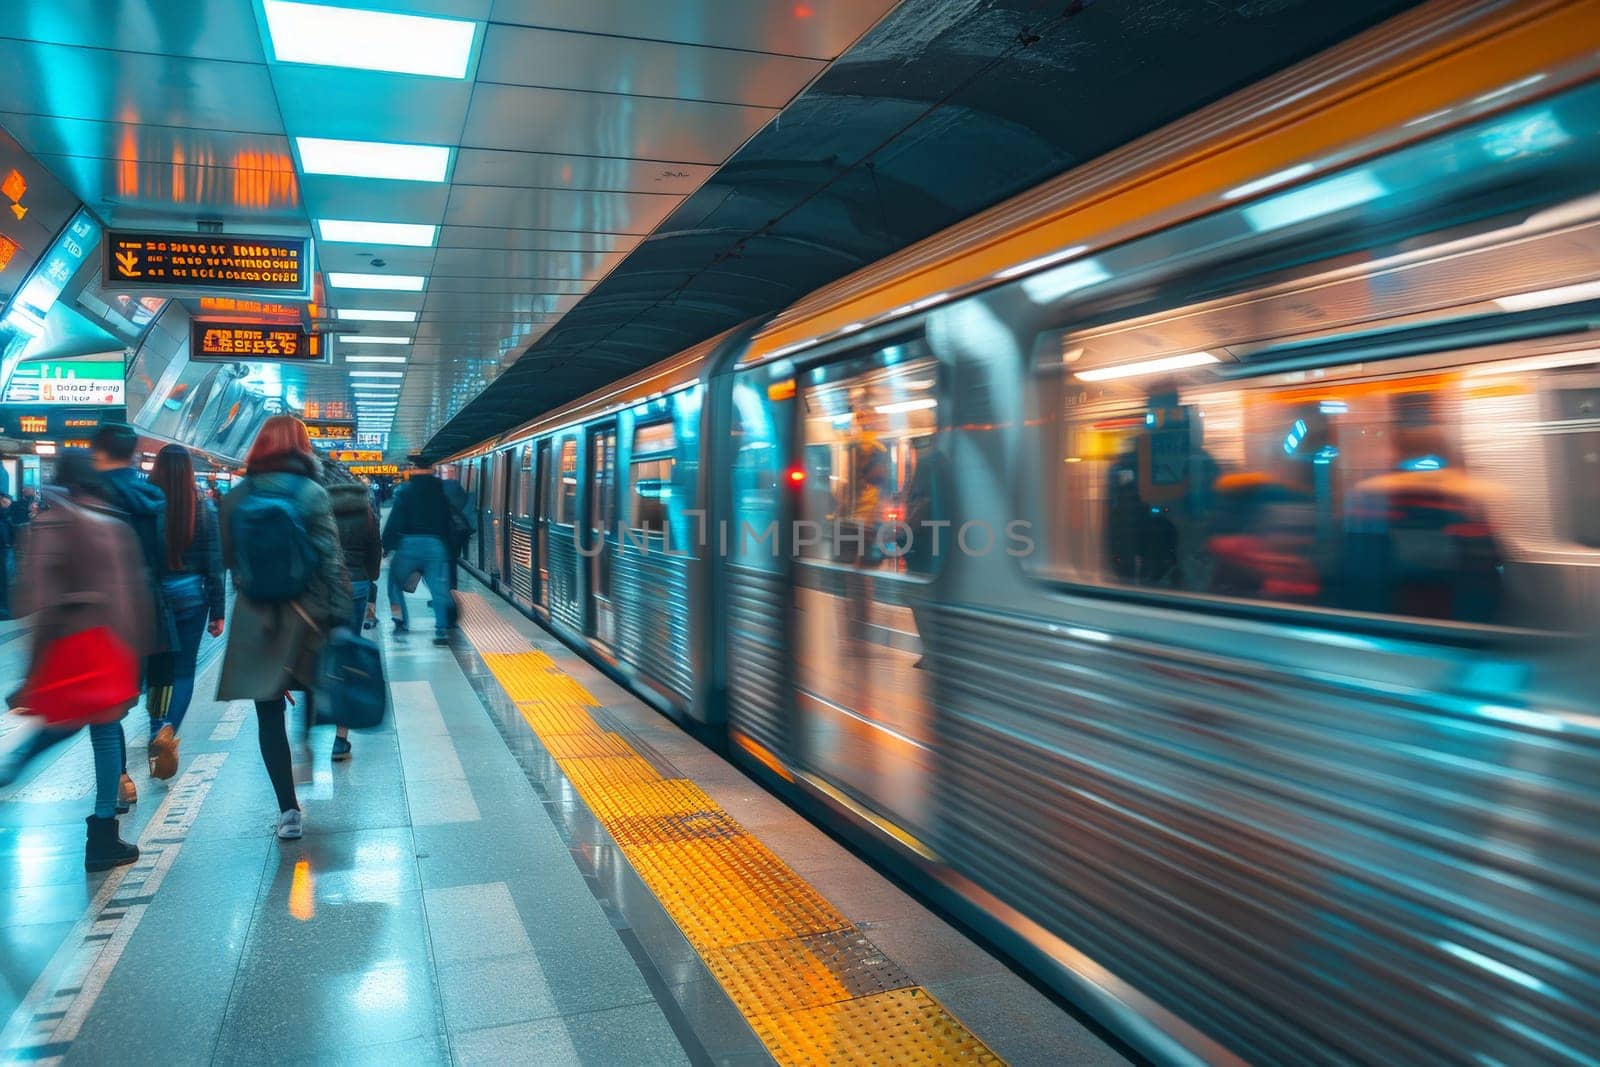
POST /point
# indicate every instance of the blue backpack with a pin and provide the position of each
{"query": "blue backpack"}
(274, 559)
(350, 687)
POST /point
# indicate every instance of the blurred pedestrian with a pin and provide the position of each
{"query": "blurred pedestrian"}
(6, 538)
(142, 507)
(191, 586)
(83, 578)
(281, 544)
(356, 517)
(419, 531)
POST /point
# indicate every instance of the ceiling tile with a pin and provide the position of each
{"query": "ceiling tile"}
(209, 29)
(821, 29)
(135, 87)
(533, 240)
(519, 55)
(479, 166)
(388, 107)
(358, 258)
(599, 124)
(50, 135)
(463, 262)
(558, 209)
(329, 197)
(134, 194)
(450, 286)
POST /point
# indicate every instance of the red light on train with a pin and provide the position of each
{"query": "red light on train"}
(796, 476)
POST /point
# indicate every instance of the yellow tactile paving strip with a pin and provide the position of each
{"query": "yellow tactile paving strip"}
(813, 988)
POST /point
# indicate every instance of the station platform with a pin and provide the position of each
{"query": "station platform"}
(525, 864)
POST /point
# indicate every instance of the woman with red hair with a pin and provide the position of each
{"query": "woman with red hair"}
(280, 542)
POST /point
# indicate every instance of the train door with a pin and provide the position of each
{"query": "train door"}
(469, 483)
(866, 429)
(541, 527)
(494, 489)
(602, 533)
(520, 529)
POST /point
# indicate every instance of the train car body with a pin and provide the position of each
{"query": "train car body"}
(1189, 569)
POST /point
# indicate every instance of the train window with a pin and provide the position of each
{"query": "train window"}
(523, 500)
(567, 501)
(869, 428)
(756, 479)
(1441, 490)
(650, 470)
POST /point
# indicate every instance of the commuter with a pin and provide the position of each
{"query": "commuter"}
(418, 533)
(143, 507)
(463, 524)
(280, 542)
(71, 598)
(357, 520)
(5, 556)
(191, 585)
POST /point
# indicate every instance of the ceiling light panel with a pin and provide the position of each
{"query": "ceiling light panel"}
(329, 36)
(374, 359)
(411, 234)
(376, 315)
(374, 339)
(406, 283)
(373, 159)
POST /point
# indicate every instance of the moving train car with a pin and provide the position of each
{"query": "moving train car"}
(1189, 568)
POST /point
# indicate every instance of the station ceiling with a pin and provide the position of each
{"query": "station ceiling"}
(944, 108)
(625, 177)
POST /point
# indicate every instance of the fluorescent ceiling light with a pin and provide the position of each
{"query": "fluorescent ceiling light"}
(920, 404)
(374, 339)
(411, 234)
(409, 283)
(369, 40)
(374, 359)
(377, 374)
(1149, 366)
(1544, 298)
(373, 159)
(376, 315)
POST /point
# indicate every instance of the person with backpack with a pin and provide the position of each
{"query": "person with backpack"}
(357, 520)
(82, 580)
(280, 542)
(419, 532)
(144, 508)
(191, 585)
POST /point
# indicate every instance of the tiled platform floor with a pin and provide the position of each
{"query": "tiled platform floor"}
(452, 901)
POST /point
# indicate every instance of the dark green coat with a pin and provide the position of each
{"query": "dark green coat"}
(273, 647)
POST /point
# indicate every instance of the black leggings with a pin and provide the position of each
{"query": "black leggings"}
(273, 733)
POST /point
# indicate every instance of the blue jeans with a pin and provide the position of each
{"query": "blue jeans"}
(360, 593)
(169, 696)
(420, 552)
(110, 757)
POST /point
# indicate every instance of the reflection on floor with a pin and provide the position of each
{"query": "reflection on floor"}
(453, 900)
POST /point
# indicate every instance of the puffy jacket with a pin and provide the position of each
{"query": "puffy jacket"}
(204, 555)
(358, 529)
(68, 595)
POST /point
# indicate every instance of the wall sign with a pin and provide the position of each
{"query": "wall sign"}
(356, 456)
(252, 342)
(89, 384)
(208, 262)
(57, 423)
(51, 275)
(370, 469)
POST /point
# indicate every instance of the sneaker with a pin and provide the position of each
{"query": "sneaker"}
(440, 637)
(341, 749)
(164, 754)
(289, 826)
(127, 792)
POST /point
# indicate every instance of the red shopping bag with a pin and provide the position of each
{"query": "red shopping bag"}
(80, 677)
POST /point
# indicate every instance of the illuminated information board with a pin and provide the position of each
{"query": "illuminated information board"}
(208, 262)
(330, 431)
(252, 341)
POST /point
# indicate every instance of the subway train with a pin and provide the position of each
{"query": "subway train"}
(1188, 570)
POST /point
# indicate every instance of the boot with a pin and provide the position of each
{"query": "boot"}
(106, 848)
(163, 754)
